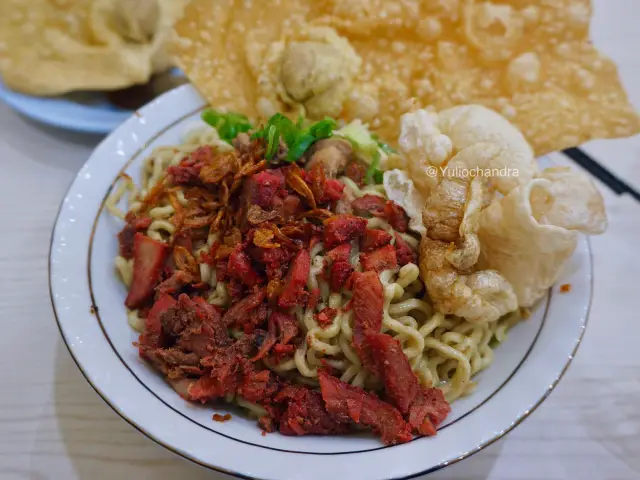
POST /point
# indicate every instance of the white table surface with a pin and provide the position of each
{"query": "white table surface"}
(53, 425)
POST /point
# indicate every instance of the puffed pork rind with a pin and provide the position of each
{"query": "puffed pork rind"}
(530, 234)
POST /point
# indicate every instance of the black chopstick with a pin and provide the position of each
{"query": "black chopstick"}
(605, 176)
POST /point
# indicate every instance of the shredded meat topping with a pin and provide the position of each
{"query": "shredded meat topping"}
(252, 226)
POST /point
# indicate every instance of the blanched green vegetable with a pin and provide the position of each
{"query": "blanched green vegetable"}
(368, 146)
(360, 137)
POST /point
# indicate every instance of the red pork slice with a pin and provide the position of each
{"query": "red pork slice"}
(404, 253)
(236, 289)
(368, 306)
(255, 318)
(240, 310)
(287, 326)
(374, 239)
(293, 292)
(210, 317)
(396, 216)
(342, 228)
(379, 260)
(148, 261)
(176, 282)
(172, 361)
(385, 209)
(195, 325)
(275, 260)
(291, 207)
(268, 341)
(282, 329)
(393, 368)
(341, 253)
(305, 414)
(268, 185)
(324, 189)
(203, 155)
(225, 371)
(239, 266)
(224, 376)
(346, 402)
(325, 317)
(333, 190)
(186, 173)
(357, 172)
(128, 233)
(340, 273)
(152, 336)
(258, 386)
(369, 204)
(428, 411)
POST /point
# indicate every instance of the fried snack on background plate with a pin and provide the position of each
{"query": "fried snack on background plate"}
(531, 61)
(50, 47)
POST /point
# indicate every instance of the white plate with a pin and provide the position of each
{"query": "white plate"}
(91, 113)
(87, 112)
(82, 281)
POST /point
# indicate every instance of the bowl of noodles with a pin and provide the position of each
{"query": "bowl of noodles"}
(294, 298)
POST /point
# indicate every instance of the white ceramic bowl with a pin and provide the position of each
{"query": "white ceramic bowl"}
(88, 302)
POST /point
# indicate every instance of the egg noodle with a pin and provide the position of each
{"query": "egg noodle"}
(444, 351)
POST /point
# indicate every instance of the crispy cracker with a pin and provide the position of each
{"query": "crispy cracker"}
(50, 47)
(530, 60)
(220, 45)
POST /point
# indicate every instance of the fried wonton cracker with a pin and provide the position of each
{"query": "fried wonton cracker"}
(221, 46)
(50, 47)
(530, 60)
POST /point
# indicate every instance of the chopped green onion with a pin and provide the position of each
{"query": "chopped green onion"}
(273, 141)
(383, 146)
(286, 128)
(323, 129)
(374, 175)
(386, 148)
(295, 136)
(301, 145)
(228, 125)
